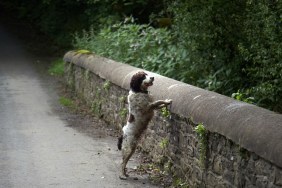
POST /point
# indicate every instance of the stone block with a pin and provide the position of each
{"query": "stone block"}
(212, 179)
(261, 181)
(262, 168)
(217, 165)
(278, 176)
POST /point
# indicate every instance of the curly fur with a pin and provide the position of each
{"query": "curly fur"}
(141, 111)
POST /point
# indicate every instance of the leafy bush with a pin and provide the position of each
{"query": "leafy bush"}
(238, 49)
(261, 52)
(206, 47)
(139, 45)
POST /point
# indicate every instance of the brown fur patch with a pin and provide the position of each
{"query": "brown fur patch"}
(131, 118)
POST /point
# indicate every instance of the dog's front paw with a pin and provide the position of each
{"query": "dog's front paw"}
(168, 101)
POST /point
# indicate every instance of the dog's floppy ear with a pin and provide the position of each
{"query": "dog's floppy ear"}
(136, 81)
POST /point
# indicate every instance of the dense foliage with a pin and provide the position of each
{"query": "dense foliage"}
(231, 47)
(232, 52)
(234, 45)
(138, 45)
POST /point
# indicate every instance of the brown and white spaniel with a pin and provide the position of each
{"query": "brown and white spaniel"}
(141, 111)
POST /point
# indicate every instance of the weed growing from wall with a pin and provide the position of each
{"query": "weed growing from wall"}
(70, 76)
(87, 74)
(203, 138)
(165, 112)
(178, 182)
(123, 113)
(164, 143)
(96, 107)
(107, 85)
(98, 92)
(122, 99)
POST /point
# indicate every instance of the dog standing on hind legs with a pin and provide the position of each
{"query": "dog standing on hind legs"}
(141, 111)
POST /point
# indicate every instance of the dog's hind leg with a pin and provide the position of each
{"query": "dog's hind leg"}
(125, 158)
(127, 152)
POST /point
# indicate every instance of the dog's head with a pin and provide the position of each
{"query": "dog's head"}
(140, 82)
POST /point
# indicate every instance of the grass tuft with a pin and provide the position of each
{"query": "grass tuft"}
(66, 102)
(57, 68)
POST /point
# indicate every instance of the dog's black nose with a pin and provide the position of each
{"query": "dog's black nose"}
(152, 78)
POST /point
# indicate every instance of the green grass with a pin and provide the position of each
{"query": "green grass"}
(66, 102)
(57, 68)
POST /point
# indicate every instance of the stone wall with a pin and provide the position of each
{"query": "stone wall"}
(241, 145)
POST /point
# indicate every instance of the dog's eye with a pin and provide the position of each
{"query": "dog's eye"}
(143, 77)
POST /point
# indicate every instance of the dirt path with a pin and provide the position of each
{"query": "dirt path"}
(38, 146)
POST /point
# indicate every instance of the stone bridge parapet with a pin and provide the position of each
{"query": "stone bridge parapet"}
(243, 142)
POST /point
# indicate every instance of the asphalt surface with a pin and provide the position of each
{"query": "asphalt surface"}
(38, 148)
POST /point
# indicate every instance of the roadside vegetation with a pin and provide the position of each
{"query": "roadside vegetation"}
(231, 47)
(67, 102)
(56, 68)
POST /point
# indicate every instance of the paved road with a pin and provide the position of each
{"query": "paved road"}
(37, 147)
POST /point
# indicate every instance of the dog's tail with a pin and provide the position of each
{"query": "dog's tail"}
(119, 143)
